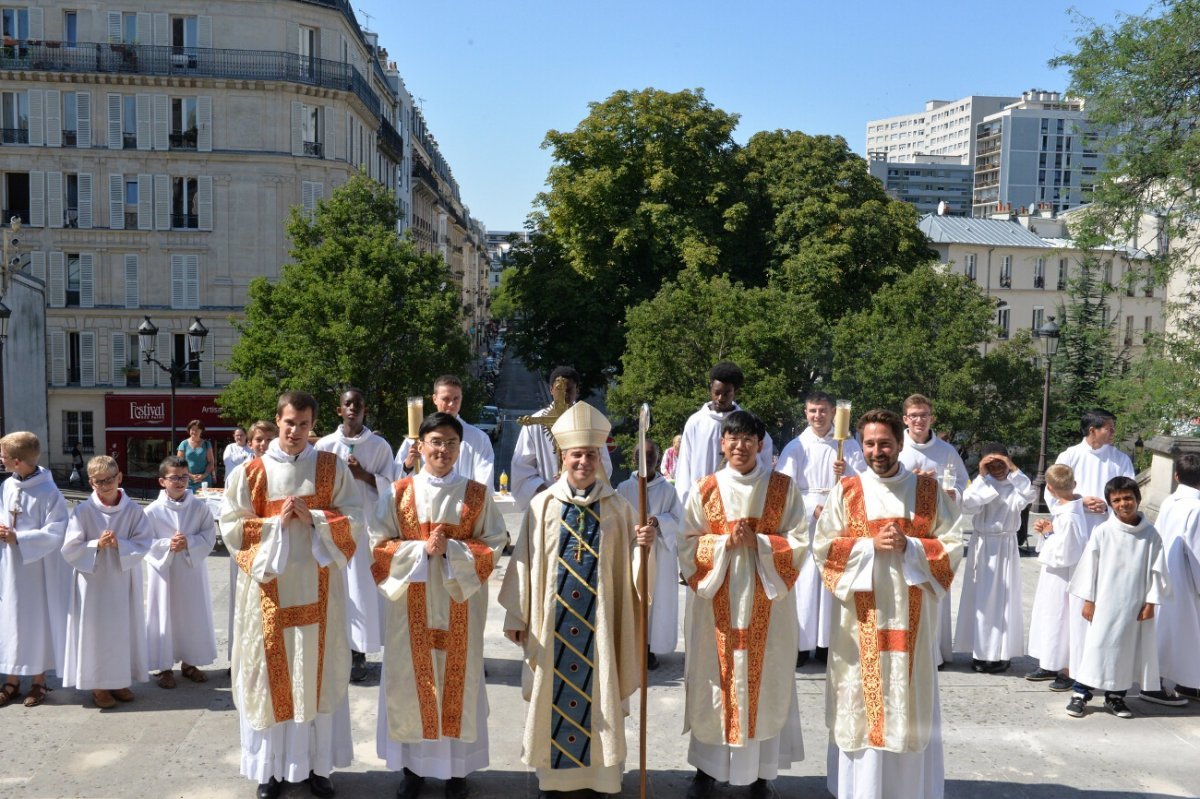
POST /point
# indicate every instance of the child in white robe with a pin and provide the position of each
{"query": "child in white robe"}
(179, 623)
(1120, 578)
(107, 538)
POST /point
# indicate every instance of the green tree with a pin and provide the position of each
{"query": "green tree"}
(358, 306)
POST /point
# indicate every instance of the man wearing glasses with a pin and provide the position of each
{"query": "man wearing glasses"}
(436, 537)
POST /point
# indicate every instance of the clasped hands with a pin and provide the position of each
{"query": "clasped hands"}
(178, 542)
(890, 539)
(435, 544)
(107, 540)
(297, 508)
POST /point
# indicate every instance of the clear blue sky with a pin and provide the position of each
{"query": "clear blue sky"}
(495, 76)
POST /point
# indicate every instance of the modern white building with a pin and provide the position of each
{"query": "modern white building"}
(927, 181)
(943, 128)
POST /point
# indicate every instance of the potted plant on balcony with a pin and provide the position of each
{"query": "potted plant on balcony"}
(132, 371)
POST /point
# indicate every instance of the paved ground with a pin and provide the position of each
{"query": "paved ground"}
(1004, 737)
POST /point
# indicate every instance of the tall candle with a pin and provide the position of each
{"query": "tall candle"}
(416, 413)
(841, 420)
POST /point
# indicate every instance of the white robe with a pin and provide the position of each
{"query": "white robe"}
(106, 622)
(663, 504)
(700, 449)
(935, 454)
(1178, 618)
(234, 456)
(476, 458)
(400, 737)
(906, 758)
(535, 463)
(35, 581)
(1056, 625)
(990, 614)
(179, 622)
(1093, 468)
(1122, 568)
(364, 614)
(808, 460)
(762, 734)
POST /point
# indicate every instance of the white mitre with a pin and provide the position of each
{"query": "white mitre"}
(581, 425)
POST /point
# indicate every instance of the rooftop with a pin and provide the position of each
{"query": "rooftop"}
(976, 230)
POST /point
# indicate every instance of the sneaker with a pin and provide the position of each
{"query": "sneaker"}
(1116, 706)
(1076, 705)
(1041, 675)
(1190, 693)
(1061, 684)
(1164, 698)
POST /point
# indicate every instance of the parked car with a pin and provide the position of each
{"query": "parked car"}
(489, 421)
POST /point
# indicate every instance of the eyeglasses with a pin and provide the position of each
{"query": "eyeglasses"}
(916, 417)
(449, 445)
(742, 441)
(101, 482)
(176, 478)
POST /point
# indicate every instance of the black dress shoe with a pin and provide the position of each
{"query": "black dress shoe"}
(268, 790)
(319, 786)
(761, 789)
(358, 666)
(801, 658)
(998, 666)
(651, 661)
(979, 666)
(701, 787)
(410, 786)
(456, 788)
(822, 654)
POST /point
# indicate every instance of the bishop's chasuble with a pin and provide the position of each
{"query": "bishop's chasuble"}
(881, 702)
(432, 687)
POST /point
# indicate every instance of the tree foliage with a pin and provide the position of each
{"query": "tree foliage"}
(358, 306)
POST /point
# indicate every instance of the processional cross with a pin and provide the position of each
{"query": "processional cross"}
(558, 393)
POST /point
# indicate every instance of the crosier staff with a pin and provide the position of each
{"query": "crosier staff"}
(642, 588)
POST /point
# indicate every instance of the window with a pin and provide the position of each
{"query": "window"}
(184, 127)
(16, 196)
(1039, 318)
(77, 430)
(14, 117)
(129, 31)
(1006, 272)
(15, 23)
(129, 122)
(70, 119)
(1039, 274)
(1147, 329)
(307, 47)
(1128, 331)
(182, 353)
(311, 131)
(1003, 317)
(71, 200)
(74, 361)
(183, 204)
(1062, 274)
(71, 28)
(131, 204)
(969, 266)
(184, 34)
(1108, 273)
(73, 276)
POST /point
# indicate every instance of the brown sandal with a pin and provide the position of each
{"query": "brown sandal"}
(8, 692)
(192, 673)
(37, 694)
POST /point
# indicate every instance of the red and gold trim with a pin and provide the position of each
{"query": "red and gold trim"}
(939, 562)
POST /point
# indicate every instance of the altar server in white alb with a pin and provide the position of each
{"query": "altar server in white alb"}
(107, 538)
(535, 462)
(1120, 578)
(291, 519)
(990, 615)
(476, 458)
(700, 449)
(179, 623)
(34, 579)
(1178, 623)
(663, 512)
(887, 546)
(369, 457)
(1094, 461)
(745, 534)
(811, 461)
(436, 537)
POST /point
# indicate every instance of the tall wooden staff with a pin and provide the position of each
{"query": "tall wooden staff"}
(643, 590)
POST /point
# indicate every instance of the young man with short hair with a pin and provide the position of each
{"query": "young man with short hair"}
(1095, 460)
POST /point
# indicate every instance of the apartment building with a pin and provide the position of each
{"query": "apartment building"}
(943, 128)
(928, 182)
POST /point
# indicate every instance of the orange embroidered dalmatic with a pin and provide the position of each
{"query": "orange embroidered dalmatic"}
(433, 644)
(880, 681)
(290, 649)
(741, 641)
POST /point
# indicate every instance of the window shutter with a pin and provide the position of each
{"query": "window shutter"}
(37, 265)
(161, 122)
(204, 31)
(114, 27)
(37, 115)
(162, 30)
(292, 45)
(328, 127)
(87, 280)
(83, 120)
(131, 281)
(204, 202)
(53, 119)
(85, 200)
(116, 202)
(177, 280)
(191, 282)
(204, 135)
(87, 358)
(145, 209)
(306, 198)
(164, 354)
(115, 140)
(54, 199)
(348, 150)
(143, 122)
(297, 128)
(37, 199)
(58, 357)
(58, 281)
(162, 202)
(118, 358)
(208, 363)
(36, 23)
(142, 32)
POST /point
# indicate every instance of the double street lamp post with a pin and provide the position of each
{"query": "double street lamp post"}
(177, 369)
(1048, 334)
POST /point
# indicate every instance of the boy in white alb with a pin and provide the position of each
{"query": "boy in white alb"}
(107, 538)
(33, 576)
(179, 623)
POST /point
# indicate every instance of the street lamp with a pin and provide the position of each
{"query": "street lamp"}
(5, 313)
(1048, 333)
(148, 334)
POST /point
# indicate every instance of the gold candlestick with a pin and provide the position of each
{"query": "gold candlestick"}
(416, 414)
(841, 424)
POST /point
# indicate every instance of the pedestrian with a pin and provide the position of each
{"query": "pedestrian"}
(236, 452)
(107, 537)
(670, 459)
(990, 614)
(179, 622)
(1120, 578)
(77, 466)
(436, 538)
(745, 536)
(198, 452)
(34, 579)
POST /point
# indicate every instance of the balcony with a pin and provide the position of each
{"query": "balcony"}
(391, 142)
(19, 213)
(69, 138)
(183, 139)
(14, 135)
(1039, 281)
(167, 61)
(185, 222)
(314, 148)
(1005, 281)
(131, 220)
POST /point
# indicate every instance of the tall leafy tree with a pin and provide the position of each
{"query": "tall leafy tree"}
(358, 305)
